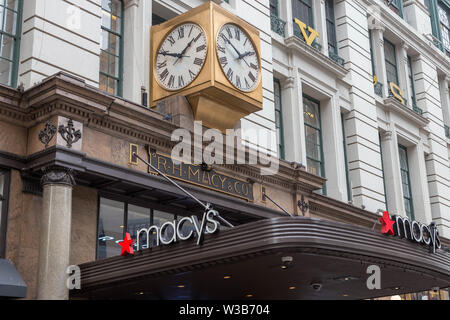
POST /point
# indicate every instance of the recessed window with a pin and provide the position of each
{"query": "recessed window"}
(396, 6)
(313, 135)
(406, 182)
(279, 118)
(10, 29)
(391, 62)
(444, 19)
(331, 26)
(302, 10)
(111, 47)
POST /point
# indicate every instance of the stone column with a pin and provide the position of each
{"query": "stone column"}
(394, 193)
(291, 95)
(333, 149)
(403, 72)
(378, 56)
(138, 21)
(286, 14)
(321, 24)
(445, 99)
(54, 249)
(419, 183)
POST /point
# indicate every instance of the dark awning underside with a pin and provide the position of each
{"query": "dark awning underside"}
(11, 284)
(334, 254)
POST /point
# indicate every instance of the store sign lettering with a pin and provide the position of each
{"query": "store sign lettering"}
(313, 34)
(172, 232)
(194, 174)
(414, 231)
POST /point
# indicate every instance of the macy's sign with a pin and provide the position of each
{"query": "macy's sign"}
(414, 231)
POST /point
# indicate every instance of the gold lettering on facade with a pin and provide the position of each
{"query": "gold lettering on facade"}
(245, 189)
(163, 162)
(397, 92)
(206, 178)
(214, 178)
(236, 187)
(223, 180)
(195, 174)
(177, 168)
(313, 34)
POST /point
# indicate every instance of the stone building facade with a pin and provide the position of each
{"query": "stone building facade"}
(358, 117)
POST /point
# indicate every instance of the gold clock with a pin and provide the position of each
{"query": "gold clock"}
(181, 56)
(238, 57)
(220, 75)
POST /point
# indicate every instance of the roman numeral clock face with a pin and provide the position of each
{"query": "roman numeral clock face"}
(181, 56)
(238, 58)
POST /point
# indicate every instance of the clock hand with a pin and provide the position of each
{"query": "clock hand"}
(176, 55)
(228, 40)
(246, 54)
(184, 51)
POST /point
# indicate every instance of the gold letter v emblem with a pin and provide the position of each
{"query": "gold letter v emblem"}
(313, 34)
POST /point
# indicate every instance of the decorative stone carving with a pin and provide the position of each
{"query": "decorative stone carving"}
(46, 135)
(69, 134)
(303, 205)
(58, 175)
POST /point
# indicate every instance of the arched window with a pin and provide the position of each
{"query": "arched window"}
(111, 53)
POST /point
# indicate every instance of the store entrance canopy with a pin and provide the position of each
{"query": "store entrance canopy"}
(11, 284)
(282, 258)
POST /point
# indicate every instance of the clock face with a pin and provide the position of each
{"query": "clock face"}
(238, 57)
(181, 56)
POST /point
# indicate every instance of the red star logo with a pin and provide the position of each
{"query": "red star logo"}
(387, 225)
(127, 245)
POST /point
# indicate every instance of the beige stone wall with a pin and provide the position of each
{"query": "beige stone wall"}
(84, 225)
(112, 149)
(13, 139)
(24, 230)
(22, 246)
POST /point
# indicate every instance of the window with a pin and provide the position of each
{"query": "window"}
(444, 21)
(313, 135)
(10, 30)
(116, 218)
(382, 171)
(4, 196)
(406, 182)
(331, 26)
(396, 6)
(157, 20)
(347, 175)
(274, 7)
(411, 81)
(111, 53)
(279, 118)
(391, 62)
(302, 10)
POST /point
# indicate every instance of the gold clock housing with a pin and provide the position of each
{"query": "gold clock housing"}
(214, 100)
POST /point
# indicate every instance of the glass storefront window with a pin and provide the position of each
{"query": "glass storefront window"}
(117, 218)
(110, 228)
(138, 219)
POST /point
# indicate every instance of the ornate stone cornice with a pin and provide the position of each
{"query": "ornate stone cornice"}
(66, 96)
(59, 176)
